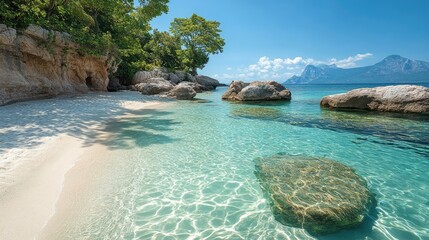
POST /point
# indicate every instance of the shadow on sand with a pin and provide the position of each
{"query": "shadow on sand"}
(89, 117)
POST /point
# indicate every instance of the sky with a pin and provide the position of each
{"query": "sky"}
(276, 39)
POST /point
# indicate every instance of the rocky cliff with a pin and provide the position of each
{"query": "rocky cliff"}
(37, 63)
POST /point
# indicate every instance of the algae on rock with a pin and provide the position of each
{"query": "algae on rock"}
(319, 195)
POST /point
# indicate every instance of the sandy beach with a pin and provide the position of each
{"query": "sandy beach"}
(48, 157)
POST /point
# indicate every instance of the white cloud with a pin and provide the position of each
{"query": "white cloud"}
(282, 69)
(350, 61)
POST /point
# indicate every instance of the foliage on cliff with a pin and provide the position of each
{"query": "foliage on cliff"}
(121, 28)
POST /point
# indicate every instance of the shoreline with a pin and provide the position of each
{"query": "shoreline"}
(31, 191)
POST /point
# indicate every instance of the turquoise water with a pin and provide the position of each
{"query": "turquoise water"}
(187, 171)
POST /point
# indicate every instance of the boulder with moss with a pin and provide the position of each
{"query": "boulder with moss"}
(317, 194)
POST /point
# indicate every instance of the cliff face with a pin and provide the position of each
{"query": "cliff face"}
(37, 63)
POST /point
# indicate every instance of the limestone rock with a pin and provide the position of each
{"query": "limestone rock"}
(7, 35)
(32, 65)
(400, 98)
(37, 32)
(64, 40)
(31, 46)
(256, 91)
(319, 195)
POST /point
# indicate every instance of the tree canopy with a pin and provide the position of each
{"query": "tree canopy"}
(199, 38)
(122, 28)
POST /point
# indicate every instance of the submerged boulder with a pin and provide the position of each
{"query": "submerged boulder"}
(257, 112)
(319, 195)
(400, 98)
(256, 91)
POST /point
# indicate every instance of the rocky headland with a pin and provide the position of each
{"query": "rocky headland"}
(256, 91)
(38, 63)
(400, 98)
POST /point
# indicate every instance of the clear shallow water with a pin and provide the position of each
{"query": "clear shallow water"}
(188, 171)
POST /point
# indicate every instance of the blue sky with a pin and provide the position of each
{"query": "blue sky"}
(275, 39)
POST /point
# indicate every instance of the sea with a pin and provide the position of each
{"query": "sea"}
(187, 171)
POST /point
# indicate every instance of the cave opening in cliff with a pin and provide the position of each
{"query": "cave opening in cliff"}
(89, 83)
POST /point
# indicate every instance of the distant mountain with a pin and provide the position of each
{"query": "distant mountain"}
(392, 69)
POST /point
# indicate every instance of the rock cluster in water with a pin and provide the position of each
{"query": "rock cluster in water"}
(38, 63)
(256, 91)
(319, 195)
(400, 98)
(179, 85)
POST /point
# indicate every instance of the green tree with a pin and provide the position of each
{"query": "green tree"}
(199, 38)
(121, 28)
(162, 50)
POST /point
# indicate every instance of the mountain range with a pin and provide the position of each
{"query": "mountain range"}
(392, 69)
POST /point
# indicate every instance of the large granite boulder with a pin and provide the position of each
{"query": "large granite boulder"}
(154, 86)
(182, 91)
(234, 88)
(146, 76)
(208, 82)
(319, 195)
(197, 87)
(177, 77)
(200, 82)
(400, 98)
(256, 91)
(114, 85)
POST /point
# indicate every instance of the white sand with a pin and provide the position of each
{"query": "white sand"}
(48, 150)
